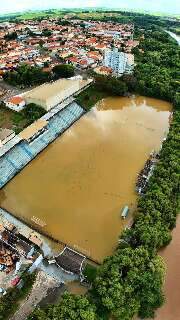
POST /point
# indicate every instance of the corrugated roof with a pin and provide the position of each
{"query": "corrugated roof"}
(50, 90)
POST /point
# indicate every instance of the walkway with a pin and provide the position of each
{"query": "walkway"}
(42, 285)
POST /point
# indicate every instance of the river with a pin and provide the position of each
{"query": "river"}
(78, 186)
(175, 36)
(171, 255)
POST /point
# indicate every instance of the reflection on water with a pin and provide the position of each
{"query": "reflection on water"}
(79, 184)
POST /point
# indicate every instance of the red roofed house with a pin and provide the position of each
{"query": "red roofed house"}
(73, 60)
(83, 63)
(16, 103)
(103, 70)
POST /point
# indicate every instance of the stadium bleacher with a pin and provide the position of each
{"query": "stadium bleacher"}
(23, 152)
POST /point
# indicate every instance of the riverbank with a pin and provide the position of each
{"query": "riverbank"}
(174, 36)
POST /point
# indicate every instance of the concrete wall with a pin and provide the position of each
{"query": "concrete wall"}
(15, 107)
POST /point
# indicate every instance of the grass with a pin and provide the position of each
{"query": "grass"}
(89, 97)
(40, 14)
(10, 303)
(5, 117)
(90, 272)
(17, 121)
(12, 120)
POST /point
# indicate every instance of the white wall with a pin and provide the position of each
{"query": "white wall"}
(14, 107)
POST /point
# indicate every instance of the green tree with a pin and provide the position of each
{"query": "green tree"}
(47, 33)
(111, 84)
(26, 76)
(71, 307)
(63, 71)
(126, 278)
(11, 36)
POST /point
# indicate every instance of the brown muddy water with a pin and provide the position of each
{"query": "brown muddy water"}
(78, 186)
(171, 255)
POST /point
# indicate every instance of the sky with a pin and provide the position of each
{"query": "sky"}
(166, 6)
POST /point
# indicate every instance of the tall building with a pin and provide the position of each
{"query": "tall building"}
(119, 62)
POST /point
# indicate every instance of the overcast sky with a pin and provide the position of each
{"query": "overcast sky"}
(168, 6)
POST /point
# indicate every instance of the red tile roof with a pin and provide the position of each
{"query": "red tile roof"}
(16, 100)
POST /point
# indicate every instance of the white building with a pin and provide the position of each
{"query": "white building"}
(50, 95)
(16, 103)
(130, 63)
(119, 62)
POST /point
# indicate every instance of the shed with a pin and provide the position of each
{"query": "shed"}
(125, 212)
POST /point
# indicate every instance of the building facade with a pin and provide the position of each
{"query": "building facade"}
(119, 62)
(16, 103)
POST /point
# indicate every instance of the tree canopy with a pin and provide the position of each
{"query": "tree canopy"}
(130, 282)
(63, 71)
(26, 75)
(158, 62)
(10, 36)
(71, 307)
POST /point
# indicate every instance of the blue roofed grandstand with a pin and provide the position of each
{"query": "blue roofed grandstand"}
(32, 140)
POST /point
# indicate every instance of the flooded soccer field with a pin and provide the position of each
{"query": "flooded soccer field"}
(77, 187)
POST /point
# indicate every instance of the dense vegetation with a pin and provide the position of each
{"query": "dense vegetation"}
(10, 36)
(142, 20)
(158, 208)
(103, 86)
(88, 98)
(129, 282)
(63, 71)
(25, 76)
(71, 307)
(158, 62)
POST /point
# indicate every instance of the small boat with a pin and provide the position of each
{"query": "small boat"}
(124, 212)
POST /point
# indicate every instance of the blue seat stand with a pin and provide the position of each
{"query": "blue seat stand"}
(21, 154)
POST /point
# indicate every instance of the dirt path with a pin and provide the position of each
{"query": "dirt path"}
(39, 291)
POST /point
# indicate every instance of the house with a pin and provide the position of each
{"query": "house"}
(103, 70)
(16, 103)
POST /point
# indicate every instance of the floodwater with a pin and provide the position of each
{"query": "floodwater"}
(76, 188)
(175, 36)
(171, 255)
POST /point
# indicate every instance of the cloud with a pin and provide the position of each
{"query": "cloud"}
(172, 6)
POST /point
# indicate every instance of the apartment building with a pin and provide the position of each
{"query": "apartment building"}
(119, 62)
